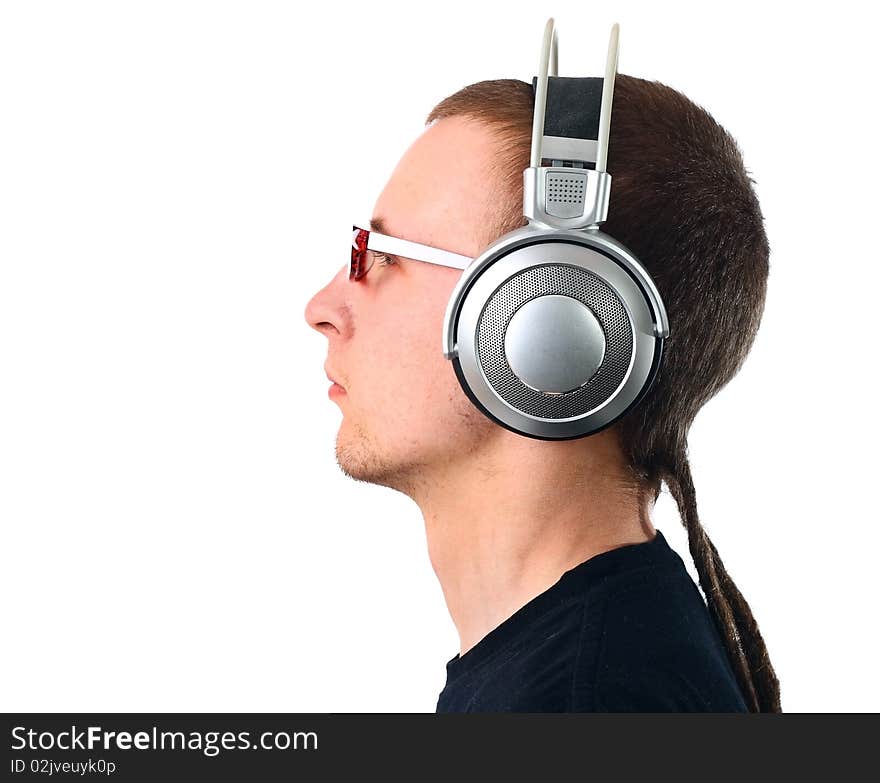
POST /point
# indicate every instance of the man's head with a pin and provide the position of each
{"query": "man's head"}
(680, 200)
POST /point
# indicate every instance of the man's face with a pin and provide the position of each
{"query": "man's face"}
(404, 412)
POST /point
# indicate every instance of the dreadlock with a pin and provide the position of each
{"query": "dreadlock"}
(683, 202)
(730, 611)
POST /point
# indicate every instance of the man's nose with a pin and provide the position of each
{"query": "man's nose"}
(328, 311)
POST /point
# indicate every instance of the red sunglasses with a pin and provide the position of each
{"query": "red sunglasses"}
(365, 244)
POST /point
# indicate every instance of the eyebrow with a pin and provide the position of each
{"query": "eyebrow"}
(378, 225)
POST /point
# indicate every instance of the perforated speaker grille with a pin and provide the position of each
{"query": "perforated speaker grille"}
(565, 280)
(562, 188)
(565, 194)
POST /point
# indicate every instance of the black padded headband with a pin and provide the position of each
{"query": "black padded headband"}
(573, 107)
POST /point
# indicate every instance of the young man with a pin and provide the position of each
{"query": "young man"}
(564, 595)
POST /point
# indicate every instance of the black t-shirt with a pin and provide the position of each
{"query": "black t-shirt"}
(625, 631)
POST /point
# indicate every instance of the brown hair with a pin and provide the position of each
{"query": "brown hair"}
(682, 201)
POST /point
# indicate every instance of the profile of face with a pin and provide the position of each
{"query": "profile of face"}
(405, 417)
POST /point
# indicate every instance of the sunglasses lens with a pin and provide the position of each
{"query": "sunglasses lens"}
(358, 253)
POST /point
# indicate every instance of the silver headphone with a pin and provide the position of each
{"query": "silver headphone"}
(556, 330)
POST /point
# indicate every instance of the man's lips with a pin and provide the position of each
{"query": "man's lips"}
(334, 390)
(336, 384)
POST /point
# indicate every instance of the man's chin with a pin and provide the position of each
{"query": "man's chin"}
(359, 459)
(359, 469)
(356, 457)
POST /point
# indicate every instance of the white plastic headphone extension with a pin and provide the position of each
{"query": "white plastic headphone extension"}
(607, 96)
(551, 43)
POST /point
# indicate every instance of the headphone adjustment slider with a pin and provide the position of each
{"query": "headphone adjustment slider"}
(565, 197)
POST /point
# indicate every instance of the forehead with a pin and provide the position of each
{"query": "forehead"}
(440, 191)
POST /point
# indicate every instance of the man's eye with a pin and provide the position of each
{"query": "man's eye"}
(384, 260)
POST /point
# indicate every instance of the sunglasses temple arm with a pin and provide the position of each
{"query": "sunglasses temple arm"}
(407, 249)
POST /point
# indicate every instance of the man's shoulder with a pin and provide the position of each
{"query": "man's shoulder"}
(655, 648)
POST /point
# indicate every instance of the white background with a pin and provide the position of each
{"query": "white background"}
(177, 179)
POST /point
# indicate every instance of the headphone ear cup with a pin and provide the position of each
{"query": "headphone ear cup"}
(555, 340)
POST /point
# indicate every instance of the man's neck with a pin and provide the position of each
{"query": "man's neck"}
(506, 528)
